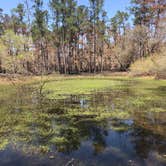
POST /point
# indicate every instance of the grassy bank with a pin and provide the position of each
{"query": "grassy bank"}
(83, 84)
(150, 66)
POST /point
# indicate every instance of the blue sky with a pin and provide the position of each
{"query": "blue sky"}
(111, 6)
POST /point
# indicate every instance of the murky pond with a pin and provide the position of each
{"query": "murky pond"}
(114, 127)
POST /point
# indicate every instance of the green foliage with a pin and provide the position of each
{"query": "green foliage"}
(14, 52)
(118, 22)
(20, 11)
(40, 23)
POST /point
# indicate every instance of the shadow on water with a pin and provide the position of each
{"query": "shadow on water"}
(115, 127)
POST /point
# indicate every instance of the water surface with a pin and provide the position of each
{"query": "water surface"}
(116, 126)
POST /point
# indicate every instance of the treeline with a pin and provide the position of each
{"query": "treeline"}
(40, 38)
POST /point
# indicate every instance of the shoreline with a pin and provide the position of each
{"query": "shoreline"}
(18, 78)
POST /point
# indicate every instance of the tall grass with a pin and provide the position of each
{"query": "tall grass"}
(154, 65)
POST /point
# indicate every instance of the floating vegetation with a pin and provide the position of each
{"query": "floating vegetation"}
(94, 116)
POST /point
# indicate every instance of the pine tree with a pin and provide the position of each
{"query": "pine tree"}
(1, 22)
(40, 34)
(18, 15)
(95, 9)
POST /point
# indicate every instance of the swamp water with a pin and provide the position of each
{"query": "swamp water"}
(120, 126)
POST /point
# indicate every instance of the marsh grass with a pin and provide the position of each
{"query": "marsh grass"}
(150, 66)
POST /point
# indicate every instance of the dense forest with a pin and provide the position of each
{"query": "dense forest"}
(83, 85)
(62, 36)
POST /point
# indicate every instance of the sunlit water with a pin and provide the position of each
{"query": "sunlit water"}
(115, 127)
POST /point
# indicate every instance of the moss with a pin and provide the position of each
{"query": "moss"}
(58, 140)
(3, 144)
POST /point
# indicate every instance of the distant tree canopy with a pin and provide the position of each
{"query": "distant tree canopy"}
(64, 37)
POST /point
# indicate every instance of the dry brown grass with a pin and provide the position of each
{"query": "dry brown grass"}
(151, 66)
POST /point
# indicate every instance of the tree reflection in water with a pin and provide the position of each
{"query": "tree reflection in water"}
(113, 126)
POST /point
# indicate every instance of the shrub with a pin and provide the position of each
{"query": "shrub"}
(154, 65)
